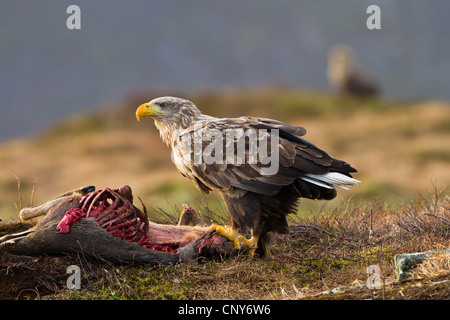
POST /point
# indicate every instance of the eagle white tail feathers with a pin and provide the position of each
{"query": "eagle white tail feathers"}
(331, 180)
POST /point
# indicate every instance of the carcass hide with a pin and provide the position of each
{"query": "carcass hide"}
(105, 225)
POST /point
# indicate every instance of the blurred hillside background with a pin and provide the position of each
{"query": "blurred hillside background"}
(68, 97)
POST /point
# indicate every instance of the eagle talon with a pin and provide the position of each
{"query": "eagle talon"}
(239, 241)
(251, 244)
(229, 233)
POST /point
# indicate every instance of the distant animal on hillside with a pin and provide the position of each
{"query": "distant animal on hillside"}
(346, 75)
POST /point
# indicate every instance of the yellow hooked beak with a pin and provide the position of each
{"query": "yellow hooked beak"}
(147, 109)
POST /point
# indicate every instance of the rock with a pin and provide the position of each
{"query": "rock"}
(405, 263)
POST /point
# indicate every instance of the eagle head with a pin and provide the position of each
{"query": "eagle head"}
(165, 108)
(171, 114)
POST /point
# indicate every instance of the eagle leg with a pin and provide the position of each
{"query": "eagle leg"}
(228, 232)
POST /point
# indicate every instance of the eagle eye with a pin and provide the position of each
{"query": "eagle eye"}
(163, 105)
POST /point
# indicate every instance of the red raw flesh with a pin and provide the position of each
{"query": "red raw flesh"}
(213, 240)
(117, 216)
(70, 217)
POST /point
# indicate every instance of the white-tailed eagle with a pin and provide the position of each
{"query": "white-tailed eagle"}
(260, 167)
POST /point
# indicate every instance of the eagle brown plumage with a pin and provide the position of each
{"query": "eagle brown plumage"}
(256, 202)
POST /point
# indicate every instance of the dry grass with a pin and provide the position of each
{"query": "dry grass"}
(434, 266)
(322, 252)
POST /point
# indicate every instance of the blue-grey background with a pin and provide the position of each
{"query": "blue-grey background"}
(48, 72)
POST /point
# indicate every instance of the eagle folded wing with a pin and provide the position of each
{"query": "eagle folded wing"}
(296, 157)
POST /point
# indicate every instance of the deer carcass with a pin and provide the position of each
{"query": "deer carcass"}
(105, 225)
